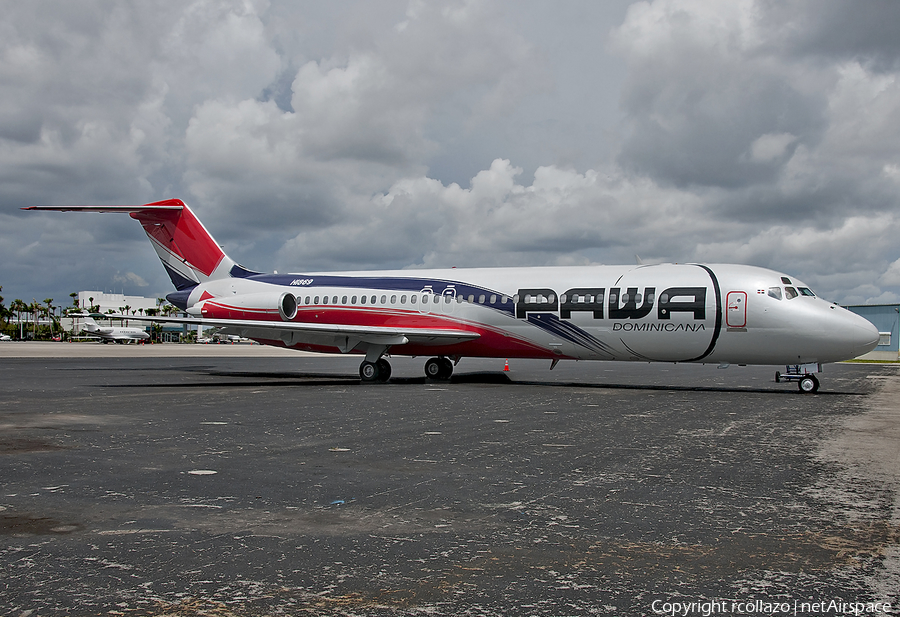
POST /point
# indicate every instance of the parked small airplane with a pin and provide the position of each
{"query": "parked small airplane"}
(709, 313)
(115, 334)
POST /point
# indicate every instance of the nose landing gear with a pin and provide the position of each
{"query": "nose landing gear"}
(808, 383)
(803, 375)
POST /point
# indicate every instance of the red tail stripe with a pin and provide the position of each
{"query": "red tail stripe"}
(182, 233)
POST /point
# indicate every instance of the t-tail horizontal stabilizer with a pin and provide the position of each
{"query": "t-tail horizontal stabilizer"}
(186, 249)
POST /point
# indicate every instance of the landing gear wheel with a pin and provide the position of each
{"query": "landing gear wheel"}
(438, 368)
(447, 368)
(368, 371)
(808, 384)
(777, 376)
(384, 370)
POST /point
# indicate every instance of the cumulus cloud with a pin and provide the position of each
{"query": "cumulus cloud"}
(462, 132)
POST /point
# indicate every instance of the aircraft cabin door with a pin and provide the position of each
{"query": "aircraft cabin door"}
(448, 300)
(736, 309)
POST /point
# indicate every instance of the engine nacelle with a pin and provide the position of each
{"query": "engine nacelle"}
(258, 306)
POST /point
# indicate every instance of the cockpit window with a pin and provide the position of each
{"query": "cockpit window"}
(790, 293)
(775, 292)
(806, 291)
(785, 280)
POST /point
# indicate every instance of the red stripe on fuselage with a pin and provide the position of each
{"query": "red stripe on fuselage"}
(492, 342)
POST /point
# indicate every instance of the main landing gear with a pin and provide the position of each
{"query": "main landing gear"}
(375, 371)
(439, 368)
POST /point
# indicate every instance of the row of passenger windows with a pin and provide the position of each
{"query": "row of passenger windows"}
(427, 298)
(790, 292)
(424, 298)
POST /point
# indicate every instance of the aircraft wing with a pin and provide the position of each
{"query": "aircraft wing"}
(344, 337)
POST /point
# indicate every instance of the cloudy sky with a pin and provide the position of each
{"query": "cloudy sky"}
(405, 134)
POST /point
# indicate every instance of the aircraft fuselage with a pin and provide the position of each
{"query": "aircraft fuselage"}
(669, 312)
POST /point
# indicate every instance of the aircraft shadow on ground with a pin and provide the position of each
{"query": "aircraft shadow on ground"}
(297, 379)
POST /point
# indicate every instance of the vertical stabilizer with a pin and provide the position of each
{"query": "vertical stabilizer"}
(188, 252)
(186, 249)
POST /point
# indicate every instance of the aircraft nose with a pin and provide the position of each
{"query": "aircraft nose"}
(839, 335)
(858, 335)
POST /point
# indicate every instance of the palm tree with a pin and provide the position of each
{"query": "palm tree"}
(19, 307)
(4, 312)
(35, 308)
(91, 300)
(50, 315)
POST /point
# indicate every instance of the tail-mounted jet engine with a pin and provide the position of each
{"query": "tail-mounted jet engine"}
(248, 306)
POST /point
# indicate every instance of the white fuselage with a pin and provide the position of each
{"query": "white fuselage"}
(669, 312)
(113, 333)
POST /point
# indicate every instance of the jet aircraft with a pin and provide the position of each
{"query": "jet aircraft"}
(692, 312)
(114, 334)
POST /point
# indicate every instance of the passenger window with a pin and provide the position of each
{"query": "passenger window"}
(516, 299)
(353, 300)
(625, 298)
(493, 299)
(316, 300)
(459, 299)
(362, 299)
(775, 292)
(612, 298)
(393, 299)
(325, 300)
(344, 300)
(448, 298)
(481, 299)
(372, 300)
(306, 301)
(412, 299)
(790, 293)
(504, 299)
(403, 299)
(334, 300)
(384, 299)
(806, 291)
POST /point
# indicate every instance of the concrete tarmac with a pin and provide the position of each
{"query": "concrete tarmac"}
(165, 484)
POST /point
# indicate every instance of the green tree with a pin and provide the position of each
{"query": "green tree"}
(34, 308)
(18, 306)
(50, 314)
(5, 313)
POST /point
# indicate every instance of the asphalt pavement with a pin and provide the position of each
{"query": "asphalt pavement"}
(260, 484)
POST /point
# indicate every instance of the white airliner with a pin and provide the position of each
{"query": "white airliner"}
(113, 333)
(710, 313)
